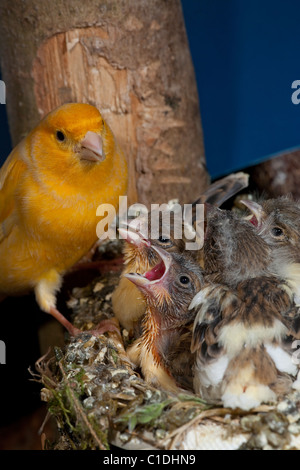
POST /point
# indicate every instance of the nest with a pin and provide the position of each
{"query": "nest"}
(98, 400)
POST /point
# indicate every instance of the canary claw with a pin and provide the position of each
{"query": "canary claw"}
(110, 325)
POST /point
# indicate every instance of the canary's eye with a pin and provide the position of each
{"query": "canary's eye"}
(163, 239)
(184, 280)
(60, 136)
(277, 232)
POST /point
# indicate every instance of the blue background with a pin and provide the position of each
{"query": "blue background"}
(246, 56)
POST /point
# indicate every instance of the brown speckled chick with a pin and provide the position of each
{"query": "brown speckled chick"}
(163, 349)
(246, 319)
(243, 342)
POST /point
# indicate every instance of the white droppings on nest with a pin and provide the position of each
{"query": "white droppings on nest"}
(72, 302)
(98, 287)
(118, 371)
(101, 355)
(212, 436)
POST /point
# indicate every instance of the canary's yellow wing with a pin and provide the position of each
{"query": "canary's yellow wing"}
(10, 174)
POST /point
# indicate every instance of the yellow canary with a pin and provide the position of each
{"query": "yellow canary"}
(50, 187)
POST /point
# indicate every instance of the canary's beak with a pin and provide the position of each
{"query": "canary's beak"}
(91, 148)
(257, 212)
(156, 276)
(135, 238)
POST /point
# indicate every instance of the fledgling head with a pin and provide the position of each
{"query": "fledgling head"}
(278, 223)
(138, 253)
(169, 287)
(71, 142)
(232, 247)
(143, 234)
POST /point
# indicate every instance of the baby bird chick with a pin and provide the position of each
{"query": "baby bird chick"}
(127, 301)
(242, 341)
(163, 350)
(233, 250)
(277, 222)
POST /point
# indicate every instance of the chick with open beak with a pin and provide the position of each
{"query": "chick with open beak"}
(128, 302)
(140, 256)
(163, 349)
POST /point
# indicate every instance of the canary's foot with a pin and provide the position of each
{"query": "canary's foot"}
(109, 325)
(71, 328)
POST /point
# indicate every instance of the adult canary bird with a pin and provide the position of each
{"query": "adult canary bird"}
(50, 187)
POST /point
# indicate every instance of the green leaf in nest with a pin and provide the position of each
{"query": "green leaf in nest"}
(144, 414)
(193, 398)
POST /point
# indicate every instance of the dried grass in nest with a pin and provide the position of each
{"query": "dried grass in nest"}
(99, 400)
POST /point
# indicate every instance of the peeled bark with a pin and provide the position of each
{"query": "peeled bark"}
(130, 59)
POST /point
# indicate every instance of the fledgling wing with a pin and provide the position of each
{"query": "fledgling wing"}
(292, 318)
(223, 189)
(212, 304)
(179, 359)
(215, 303)
(10, 175)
